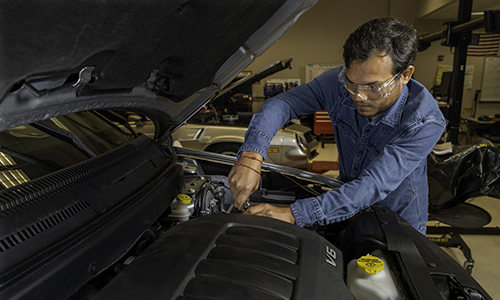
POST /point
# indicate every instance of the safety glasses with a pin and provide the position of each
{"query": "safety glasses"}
(369, 92)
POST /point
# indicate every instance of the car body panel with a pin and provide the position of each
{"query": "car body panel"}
(283, 150)
(201, 136)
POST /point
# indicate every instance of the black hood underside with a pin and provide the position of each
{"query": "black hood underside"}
(163, 59)
(186, 41)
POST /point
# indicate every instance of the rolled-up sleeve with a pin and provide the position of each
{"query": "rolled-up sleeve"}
(277, 111)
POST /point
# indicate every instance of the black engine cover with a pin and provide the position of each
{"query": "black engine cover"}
(233, 257)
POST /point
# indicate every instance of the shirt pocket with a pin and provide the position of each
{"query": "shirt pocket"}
(347, 137)
(346, 131)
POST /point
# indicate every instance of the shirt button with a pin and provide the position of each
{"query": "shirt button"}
(361, 151)
(355, 169)
(346, 133)
(367, 130)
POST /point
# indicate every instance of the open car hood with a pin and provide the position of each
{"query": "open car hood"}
(163, 59)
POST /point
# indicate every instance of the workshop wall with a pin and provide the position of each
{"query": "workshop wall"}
(318, 37)
(427, 7)
(319, 34)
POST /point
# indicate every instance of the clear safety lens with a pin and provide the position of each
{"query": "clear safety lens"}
(369, 92)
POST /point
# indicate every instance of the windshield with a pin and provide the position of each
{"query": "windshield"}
(31, 151)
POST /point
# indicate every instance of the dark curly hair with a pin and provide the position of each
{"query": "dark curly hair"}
(386, 36)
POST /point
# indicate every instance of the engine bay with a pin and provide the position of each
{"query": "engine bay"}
(119, 226)
(218, 253)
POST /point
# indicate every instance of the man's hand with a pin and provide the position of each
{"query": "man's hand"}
(271, 211)
(243, 178)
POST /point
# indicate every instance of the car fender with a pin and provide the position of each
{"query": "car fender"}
(212, 135)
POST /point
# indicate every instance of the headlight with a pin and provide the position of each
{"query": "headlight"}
(301, 141)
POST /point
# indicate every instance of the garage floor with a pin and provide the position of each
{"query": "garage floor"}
(484, 248)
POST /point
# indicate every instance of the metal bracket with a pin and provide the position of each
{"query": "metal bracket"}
(84, 77)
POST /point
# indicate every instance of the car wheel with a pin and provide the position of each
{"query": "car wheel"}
(226, 149)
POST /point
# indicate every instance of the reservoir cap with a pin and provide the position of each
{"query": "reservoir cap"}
(370, 264)
(183, 199)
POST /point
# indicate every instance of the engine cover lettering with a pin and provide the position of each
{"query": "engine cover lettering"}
(331, 256)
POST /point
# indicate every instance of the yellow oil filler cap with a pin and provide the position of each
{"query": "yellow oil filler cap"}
(183, 199)
(370, 264)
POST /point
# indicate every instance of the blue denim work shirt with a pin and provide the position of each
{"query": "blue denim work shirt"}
(383, 161)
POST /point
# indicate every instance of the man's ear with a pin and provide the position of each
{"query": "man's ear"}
(407, 74)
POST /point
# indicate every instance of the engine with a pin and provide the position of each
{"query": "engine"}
(201, 249)
(204, 196)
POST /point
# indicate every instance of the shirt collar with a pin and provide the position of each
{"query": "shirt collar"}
(392, 116)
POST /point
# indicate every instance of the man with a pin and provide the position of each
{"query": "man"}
(385, 125)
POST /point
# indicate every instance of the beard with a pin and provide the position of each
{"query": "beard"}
(378, 112)
(384, 104)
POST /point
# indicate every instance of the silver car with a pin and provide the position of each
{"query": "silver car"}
(293, 145)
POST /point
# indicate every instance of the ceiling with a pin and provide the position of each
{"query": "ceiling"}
(449, 12)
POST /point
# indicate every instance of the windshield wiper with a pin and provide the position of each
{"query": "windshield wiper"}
(63, 135)
(49, 166)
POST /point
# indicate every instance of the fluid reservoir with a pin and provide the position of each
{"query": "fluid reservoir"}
(180, 208)
(369, 277)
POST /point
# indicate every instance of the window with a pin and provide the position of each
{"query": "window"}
(31, 151)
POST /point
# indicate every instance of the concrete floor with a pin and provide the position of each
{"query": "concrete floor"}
(484, 248)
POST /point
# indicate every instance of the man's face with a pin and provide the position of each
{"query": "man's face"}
(376, 70)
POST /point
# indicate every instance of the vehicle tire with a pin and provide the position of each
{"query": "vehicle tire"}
(230, 149)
